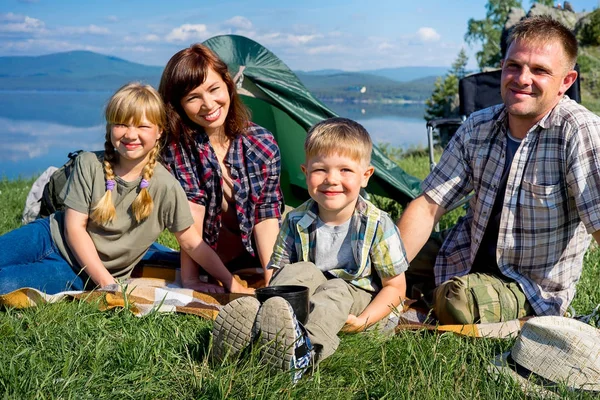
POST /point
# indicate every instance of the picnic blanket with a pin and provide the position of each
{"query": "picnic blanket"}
(156, 288)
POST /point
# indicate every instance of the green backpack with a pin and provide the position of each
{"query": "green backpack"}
(51, 200)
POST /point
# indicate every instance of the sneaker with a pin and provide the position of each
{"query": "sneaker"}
(283, 341)
(232, 330)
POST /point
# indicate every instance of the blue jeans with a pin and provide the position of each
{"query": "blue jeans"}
(29, 258)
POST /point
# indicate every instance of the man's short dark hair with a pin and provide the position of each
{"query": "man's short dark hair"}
(544, 29)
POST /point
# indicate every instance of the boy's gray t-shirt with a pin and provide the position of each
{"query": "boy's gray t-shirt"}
(122, 243)
(333, 247)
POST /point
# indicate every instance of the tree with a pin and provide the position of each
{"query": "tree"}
(589, 34)
(442, 102)
(488, 31)
(460, 64)
(549, 3)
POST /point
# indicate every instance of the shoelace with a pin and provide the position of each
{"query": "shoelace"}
(591, 319)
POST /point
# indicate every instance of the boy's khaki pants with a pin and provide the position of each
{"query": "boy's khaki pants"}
(331, 301)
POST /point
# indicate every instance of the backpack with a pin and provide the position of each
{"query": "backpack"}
(51, 200)
(34, 197)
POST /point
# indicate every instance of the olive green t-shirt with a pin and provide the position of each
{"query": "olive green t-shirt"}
(123, 242)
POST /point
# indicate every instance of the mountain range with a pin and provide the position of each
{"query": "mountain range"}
(88, 71)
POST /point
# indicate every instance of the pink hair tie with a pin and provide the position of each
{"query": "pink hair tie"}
(110, 184)
(144, 184)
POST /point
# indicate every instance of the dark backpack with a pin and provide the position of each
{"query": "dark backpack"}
(51, 200)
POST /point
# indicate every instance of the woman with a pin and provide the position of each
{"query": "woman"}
(228, 166)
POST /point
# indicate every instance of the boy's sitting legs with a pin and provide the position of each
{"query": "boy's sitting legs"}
(331, 301)
(330, 306)
(300, 273)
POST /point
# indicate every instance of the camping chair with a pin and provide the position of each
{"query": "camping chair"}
(476, 92)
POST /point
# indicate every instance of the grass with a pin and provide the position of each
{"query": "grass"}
(70, 350)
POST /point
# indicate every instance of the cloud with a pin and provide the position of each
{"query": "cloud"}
(25, 140)
(112, 19)
(284, 39)
(14, 23)
(139, 49)
(385, 46)
(83, 30)
(328, 49)
(302, 39)
(427, 34)
(239, 22)
(188, 32)
(44, 46)
(148, 38)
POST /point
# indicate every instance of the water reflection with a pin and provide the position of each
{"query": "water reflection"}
(39, 129)
(400, 125)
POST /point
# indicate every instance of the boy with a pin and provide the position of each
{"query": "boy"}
(342, 247)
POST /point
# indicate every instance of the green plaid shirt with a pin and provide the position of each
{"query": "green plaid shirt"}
(376, 244)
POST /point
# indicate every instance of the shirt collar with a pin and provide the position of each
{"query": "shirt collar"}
(552, 117)
(312, 211)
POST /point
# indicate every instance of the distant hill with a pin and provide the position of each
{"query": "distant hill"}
(74, 70)
(406, 74)
(320, 72)
(88, 71)
(400, 74)
(346, 86)
(76, 64)
(337, 79)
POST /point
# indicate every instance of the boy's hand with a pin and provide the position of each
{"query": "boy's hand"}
(355, 324)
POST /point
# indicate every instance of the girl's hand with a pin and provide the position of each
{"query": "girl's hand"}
(355, 324)
(237, 287)
(203, 287)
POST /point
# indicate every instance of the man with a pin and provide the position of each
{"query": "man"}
(533, 164)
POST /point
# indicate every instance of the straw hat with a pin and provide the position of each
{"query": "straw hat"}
(554, 350)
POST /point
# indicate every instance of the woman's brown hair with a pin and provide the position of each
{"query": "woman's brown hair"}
(184, 72)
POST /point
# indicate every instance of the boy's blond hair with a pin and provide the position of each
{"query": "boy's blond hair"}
(341, 136)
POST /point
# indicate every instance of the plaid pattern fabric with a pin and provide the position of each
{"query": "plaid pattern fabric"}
(480, 298)
(141, 295)
(375, 242)
(255, 164)
(552, 200)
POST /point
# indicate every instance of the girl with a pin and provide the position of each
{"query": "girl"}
(228, 166)
(116, 207)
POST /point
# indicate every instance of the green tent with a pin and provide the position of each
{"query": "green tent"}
(280, 103)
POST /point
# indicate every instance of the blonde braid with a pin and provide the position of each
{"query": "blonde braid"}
(142, 205)
(104, 211)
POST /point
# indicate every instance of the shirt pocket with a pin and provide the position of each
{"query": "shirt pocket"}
(541, 210)
(542, 196)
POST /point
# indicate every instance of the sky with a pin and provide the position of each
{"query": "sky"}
(305, 34)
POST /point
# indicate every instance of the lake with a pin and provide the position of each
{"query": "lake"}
(39, 129)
